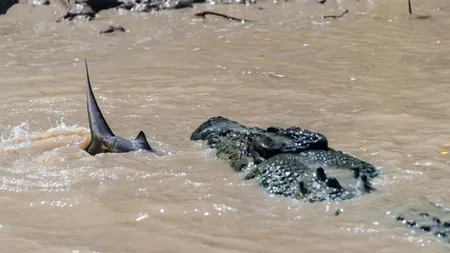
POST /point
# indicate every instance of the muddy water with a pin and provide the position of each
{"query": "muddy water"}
(374, 82)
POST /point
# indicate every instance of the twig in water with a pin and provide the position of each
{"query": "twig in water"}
(204, 13)
(409, 7)
(336, 17)
(415, 15)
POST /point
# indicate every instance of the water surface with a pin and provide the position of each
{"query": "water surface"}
(374, 82)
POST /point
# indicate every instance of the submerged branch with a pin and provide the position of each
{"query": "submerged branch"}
(336, 17)
(204, 13)
(409, 7)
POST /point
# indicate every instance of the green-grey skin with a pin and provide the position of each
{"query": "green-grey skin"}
(437, 225)
(303, 177)
(292, 162)
(295, 162)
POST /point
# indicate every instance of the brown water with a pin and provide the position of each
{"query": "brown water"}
(375, 83)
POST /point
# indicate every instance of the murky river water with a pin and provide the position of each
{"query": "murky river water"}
(375, 83)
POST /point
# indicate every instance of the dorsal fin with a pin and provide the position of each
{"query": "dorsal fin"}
(97, 123)
(141, 138)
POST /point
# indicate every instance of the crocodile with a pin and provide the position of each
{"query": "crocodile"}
(428, 222)
(298, 163)
(292, 162)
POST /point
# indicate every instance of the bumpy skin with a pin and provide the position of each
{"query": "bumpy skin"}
(292, 162)
(287, 175)
(437, 225)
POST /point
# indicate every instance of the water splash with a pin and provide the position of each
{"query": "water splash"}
(22, 138)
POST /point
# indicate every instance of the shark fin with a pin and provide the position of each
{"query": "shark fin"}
(97, 123)
(100, 130)
(142, 139)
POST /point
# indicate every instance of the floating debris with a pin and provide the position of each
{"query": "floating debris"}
(268, 74)
(271, 74)
(112, 29)
(338, 211)
(204, 13)
(334, 16)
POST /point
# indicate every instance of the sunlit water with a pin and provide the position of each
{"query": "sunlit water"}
(374, 82)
